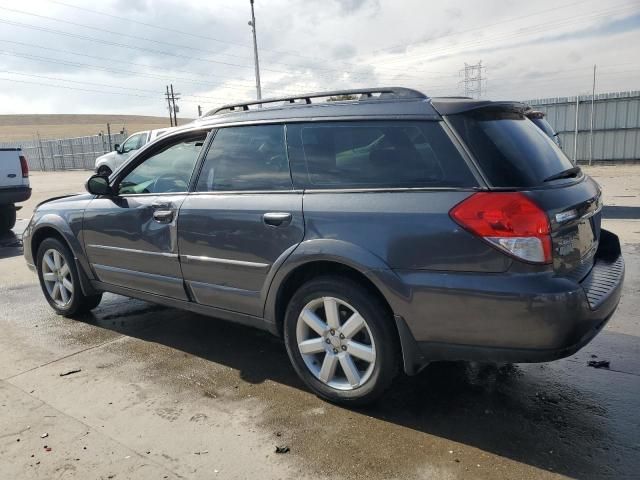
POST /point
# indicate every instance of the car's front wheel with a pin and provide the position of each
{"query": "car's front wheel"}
(341, 340)
(60, 281)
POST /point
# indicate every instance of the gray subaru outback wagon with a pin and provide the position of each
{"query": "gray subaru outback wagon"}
(373, 235)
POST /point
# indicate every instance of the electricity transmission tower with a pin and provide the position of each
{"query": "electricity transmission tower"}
(473, 80)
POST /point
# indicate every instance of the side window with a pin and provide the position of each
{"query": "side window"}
(246, 158)
(167, 170)
(133, 143)
(375, 154)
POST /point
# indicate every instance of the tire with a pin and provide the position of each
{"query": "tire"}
(7, 217)
(378, 334)
(61, 286)
(104, 171)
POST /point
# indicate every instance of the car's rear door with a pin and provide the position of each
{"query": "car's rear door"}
(131, 237)
(242, 220)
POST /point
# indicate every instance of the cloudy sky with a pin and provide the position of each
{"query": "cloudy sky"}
(117, 56)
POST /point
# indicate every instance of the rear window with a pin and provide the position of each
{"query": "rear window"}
(375, 154)
(510, 149)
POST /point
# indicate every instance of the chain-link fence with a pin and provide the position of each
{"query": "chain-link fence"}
(78, 153)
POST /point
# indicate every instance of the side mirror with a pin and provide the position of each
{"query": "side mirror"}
(117, 148)
(98, 185)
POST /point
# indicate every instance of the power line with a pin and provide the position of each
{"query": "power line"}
(481, 28)
(116, 70)
(206, 37)
(160, 42)
(95, 57)
(132, 47)
(74, 88)
(46, 77)
(167, 29)
(240, 84)
(506, 36)
(124, 45)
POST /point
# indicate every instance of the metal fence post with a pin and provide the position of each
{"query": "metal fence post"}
(40, 152)
(593, 99)
(575, 135)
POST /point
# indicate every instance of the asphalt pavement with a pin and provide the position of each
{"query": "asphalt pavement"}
(136, 390)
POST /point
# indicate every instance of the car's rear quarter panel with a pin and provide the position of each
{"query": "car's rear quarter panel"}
(406, 229)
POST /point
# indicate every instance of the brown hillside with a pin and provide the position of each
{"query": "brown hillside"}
(26, 127)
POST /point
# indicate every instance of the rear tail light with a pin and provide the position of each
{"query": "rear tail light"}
(24, 166)
(509, 221)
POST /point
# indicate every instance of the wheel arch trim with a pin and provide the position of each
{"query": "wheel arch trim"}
(52, 222)
(341, 253)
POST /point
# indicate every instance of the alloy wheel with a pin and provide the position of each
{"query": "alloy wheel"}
(57, 277)
(336, 343)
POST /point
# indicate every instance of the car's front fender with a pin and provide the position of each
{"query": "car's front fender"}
(67, 224)
(108, 160)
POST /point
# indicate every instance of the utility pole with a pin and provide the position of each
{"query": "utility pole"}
(252, 24)
(169, 106)
(593, 98)
(473, 80)
(199, 111)
(176, 109)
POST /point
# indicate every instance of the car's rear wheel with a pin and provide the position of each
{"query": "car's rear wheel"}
(341, 340)
(7, 217)
(104, 171)
(60, 281)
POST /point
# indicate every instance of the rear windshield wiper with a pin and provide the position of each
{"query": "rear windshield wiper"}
(568, 173)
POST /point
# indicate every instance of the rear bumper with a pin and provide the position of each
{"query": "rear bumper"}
(14, 195)
(508, 318)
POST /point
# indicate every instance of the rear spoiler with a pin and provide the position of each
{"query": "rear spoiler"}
(451, 106)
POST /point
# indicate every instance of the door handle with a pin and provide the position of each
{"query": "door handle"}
(276, 219)
(163, 216)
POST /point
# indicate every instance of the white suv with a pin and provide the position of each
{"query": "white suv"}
(14, 185)
(108, 162)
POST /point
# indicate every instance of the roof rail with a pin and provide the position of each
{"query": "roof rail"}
(385, 92)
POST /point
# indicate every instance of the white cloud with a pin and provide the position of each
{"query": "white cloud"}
(532, 49)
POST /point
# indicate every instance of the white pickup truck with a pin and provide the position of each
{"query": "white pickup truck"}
(14, 185)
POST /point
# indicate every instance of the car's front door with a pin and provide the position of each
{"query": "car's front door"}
(131, 237)
(242, 219)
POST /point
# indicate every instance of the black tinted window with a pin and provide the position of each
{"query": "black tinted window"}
(246, 158)
(511, 150)
(375, 154)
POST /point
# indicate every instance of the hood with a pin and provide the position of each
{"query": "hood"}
(69, 197)
(107, 156)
